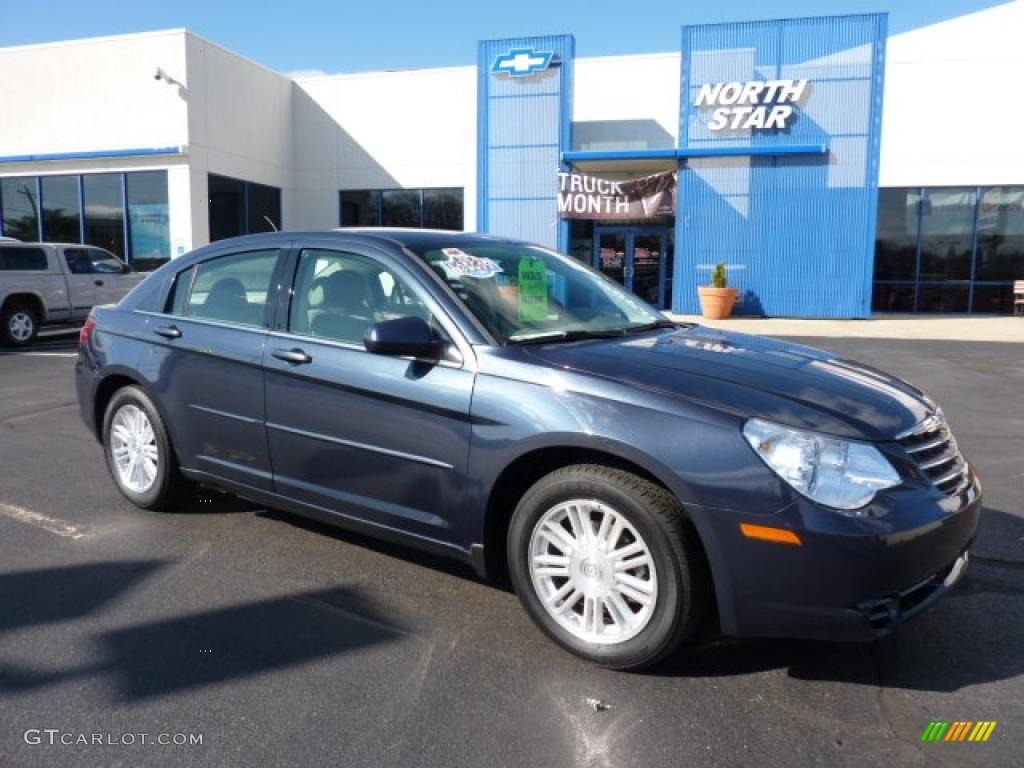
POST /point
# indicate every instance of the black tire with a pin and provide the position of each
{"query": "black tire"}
(20, 313)
(683, 584)
(169, 487)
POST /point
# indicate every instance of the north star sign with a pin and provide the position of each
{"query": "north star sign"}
(520, 62)
(754, 105)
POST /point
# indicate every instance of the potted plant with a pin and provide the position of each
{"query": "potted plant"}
(717, 299)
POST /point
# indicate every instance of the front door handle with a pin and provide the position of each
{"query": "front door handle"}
(168, 331)
(293, 356)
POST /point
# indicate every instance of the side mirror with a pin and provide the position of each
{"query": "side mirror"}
(404, 337)
(126, 268)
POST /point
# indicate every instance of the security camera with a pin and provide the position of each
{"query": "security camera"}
(160, 75)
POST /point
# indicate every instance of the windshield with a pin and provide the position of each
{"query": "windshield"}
(523, 293)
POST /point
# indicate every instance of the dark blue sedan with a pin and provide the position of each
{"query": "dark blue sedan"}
(494, 401)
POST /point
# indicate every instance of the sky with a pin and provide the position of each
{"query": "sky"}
(356, 35)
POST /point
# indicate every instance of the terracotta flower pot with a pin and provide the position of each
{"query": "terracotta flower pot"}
(716, 303)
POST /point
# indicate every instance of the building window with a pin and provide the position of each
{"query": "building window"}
(103, 200)
(240, 207)
(440, 208)
(62, 209)
(149, 225)
(19, 208)
(360, 208)
(948, 249)
(263, 208)
(108, 210)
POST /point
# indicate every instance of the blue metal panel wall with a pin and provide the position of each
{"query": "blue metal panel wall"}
(797, 232)
(524, 125)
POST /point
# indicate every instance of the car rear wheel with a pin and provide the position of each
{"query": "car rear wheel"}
(608, 565)
(19, 325)
(138, 451)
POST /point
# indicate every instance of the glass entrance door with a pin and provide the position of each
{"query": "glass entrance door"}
(635, 257)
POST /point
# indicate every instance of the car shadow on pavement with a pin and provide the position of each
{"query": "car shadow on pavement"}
(170, 655)
(51, 595)
(969, 637)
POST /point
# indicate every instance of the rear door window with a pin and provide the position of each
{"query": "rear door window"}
(14, 258)
(231, 289)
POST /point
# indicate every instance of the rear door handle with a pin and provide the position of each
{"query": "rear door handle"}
(97, 282)
(293, 356)
(168, 331)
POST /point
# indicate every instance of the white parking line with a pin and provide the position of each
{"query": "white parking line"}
(51, 524)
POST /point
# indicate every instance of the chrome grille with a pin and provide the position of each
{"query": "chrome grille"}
(933, 448)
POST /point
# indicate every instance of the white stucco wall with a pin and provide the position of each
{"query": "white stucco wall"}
(626, 102)
(239, 125)
(380, 130)
(95, 94)
(952, 111)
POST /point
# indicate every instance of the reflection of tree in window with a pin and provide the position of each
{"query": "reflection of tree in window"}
(20, 208)
(442, 209)
(400, 208)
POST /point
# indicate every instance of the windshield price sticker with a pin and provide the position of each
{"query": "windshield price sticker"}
(458, 263)
(533, 290)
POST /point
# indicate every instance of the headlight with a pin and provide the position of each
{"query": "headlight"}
(837, 473)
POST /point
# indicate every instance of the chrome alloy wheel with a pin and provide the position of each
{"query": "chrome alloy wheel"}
(593, 572)
(20, 326)
(133, 447)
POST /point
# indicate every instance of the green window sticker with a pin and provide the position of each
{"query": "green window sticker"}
(533, 291)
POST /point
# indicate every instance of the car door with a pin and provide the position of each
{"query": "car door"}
(83, 282)
(113, 280)
(204, 364)
(380, 438)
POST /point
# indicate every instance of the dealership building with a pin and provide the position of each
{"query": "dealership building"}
(837, 171)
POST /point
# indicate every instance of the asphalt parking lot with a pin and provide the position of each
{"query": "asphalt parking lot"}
(283, 642)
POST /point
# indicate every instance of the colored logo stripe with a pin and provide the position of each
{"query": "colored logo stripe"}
(958, 730)
(982, 731)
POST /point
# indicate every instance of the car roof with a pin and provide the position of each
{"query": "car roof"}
(413, 238)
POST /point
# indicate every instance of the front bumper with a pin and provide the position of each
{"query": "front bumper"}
(851, 578)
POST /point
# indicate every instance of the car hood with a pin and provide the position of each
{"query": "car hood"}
(753, 376)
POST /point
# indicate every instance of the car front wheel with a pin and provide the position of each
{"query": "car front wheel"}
(608, 565)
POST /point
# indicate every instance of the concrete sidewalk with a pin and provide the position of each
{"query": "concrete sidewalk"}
(938, 327)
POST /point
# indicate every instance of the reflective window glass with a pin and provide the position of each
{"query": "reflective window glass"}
(264, 208)
(227, 207)
(62, 212)
(401, 208)
(442, 209)
(148, 219)
(360, 208)
(20, 208)
(1000, 235)
(896, 242)
(947, 233)
(104, 211)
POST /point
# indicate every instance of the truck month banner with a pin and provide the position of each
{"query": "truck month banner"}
(587, 197)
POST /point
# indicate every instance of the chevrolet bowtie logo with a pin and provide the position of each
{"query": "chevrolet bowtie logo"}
(520, 62)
